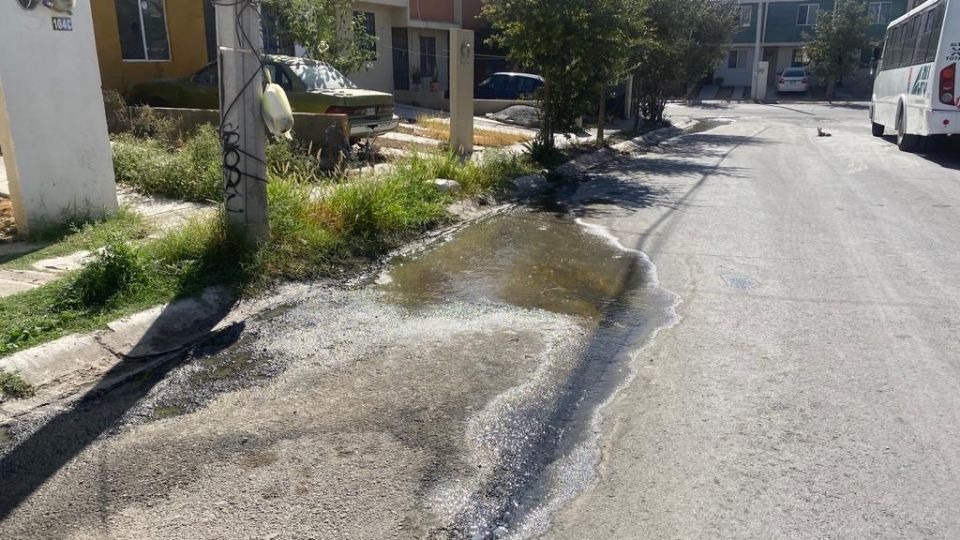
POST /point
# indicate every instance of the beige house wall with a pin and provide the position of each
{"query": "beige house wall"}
(379, 76)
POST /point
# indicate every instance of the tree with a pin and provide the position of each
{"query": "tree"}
(576, 45)
(328, 30)
(685, 40)
(839, 36)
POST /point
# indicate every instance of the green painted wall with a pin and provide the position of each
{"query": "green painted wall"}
(782, 24)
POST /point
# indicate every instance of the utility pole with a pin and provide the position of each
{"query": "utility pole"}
(242, 131)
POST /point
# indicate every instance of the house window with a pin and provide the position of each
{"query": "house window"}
(143, 30)
(735, 60)
(799, 58)
(746, 12)
(879, 12)
(807, 14)
(428, 56)
(369, 21)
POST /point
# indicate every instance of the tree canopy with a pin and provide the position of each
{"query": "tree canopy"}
(686, 39)
(576, 45)
(328, 30)
(839, 36)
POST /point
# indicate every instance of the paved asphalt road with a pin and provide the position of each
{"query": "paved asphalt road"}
(809, 389)
(812, 387)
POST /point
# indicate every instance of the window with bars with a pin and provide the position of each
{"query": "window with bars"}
(799, 58)
(428, 56)
(369, 20)
(735, 59)
(142, 25)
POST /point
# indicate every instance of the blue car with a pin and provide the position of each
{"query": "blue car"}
(507, 85)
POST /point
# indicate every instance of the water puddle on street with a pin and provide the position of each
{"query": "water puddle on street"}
(540, 261)
(527, 259)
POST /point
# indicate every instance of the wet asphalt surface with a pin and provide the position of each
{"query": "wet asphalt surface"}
(787, 370)
(812, 386)
(451, 397)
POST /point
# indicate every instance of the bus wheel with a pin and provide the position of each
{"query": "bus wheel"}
(876, 129)
(905, 141)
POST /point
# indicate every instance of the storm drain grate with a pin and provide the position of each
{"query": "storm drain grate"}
(740, 281)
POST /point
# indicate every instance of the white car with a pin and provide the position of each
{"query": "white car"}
(793, 80)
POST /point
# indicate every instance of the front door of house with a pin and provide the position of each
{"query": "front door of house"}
(401, 59)
(770, 55)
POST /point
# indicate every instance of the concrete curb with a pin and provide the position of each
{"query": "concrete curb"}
(98, 361)
(605, 155)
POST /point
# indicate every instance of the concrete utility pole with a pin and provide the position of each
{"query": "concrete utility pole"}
(242, 130)
(461, 90)
(758, 89)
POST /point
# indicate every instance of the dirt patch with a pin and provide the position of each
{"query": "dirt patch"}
(8, 226)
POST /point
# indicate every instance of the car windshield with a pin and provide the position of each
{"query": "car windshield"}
(319, 76)
(794, 73)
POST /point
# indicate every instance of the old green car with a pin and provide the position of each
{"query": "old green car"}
(311, 86)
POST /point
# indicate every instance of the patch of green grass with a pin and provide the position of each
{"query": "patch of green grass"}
(115, 269)
(77, 236)
(191, 172)
(315, 231)
(12, 385)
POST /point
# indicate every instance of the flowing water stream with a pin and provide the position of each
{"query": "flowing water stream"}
(459, 397)
(540, 442)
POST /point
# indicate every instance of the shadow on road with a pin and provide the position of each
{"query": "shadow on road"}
(944, 151)
(38, 457)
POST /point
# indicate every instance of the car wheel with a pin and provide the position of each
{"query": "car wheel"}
(877, 129)
(905, 141)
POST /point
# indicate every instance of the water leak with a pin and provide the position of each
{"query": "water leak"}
(540, 442)
(527, 259)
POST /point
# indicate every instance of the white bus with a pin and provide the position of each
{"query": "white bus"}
(915, 91)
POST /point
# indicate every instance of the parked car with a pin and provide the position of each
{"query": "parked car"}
(507, 85)
(793, 80)
(311, 86)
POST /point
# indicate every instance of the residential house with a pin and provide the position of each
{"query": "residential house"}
(142, 40)
(413, 45)
(784, 27)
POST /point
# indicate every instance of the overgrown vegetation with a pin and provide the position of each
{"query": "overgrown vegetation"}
(12, 385)
(317, 229)
(192, 170)
(582, 47)
(574, 44)
(79, 235)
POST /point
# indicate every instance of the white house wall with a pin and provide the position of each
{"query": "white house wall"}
(741, 76)
(380, 75)
(53, 129)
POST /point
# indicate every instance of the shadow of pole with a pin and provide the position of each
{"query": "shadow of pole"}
(38, 457)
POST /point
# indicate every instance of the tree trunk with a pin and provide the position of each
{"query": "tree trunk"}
(831, 85)
(546, 122)
(601, 118)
